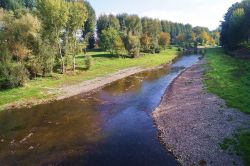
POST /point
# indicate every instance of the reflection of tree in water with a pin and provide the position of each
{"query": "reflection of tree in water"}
(129, 84)
(133, 83)
(155, 74)
(47, 133)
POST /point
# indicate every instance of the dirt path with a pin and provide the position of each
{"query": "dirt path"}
(192, 122)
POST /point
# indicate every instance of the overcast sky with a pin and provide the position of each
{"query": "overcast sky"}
(206, 13)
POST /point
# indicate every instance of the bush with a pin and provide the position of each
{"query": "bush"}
(157, 50)
(87, 62)
(12, 75)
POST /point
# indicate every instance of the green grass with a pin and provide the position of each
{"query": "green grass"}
(102, 64)
(229, 78)
(238, 143)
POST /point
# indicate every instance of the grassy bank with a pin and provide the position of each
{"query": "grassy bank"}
(102, 64)
(229, 78)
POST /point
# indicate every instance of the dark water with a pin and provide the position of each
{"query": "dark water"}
(112, 127)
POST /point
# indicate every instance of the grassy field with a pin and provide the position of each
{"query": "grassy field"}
(229, 78)
(102, 64)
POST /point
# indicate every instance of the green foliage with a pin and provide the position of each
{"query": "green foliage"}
(12, 75)
(239, 144)
(235, 28)
(102, 64)
(146, 43)
(89, 26)
(11, 4)
(77, 17)
(87, 62)
(46, 57)
(107, 21)
(132, 44)
(150, 31)
(54, 16)
(111, 41)
(229, 78)
(34, 39)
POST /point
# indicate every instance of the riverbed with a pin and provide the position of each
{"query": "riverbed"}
(112, 126)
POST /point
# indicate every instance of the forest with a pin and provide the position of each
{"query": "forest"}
(37, 41)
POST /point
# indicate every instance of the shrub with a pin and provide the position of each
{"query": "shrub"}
(12, 75)
(87, 62)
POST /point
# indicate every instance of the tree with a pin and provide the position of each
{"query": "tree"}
(146, 42)
(133, 25)
(29, 3)
(132, 45)
(89, 26)
(235, 31)
(54, 16)
(11, 4)
(205, 38)
(164, 39)
(111, 41)
(77, 18)
(18, 41)
(107, 21)
(152, 27)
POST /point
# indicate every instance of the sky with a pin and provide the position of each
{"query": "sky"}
(207, 13)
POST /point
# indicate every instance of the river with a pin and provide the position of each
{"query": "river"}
(110, 127)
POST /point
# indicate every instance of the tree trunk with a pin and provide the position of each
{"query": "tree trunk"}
(62, 59)
(74, 63)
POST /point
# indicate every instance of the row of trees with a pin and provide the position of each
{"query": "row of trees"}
(129, 33)
(235, 29)
(37, 37)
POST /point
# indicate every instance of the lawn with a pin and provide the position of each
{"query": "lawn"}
(229, 78)
(102, 64)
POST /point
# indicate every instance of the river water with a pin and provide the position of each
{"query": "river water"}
(111, 127)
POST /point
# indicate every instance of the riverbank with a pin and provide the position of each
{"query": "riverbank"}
(105, 69)
(192, 123)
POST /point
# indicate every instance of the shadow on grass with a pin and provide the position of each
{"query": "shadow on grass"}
(82, 68)
(108, 56)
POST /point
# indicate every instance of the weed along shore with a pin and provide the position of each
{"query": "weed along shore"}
(193, 123)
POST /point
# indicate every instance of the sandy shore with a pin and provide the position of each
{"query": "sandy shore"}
(192, 122)
(91, 85)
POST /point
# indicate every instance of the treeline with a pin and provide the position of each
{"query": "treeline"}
(123, 33)
(235, 29)
(38, 37)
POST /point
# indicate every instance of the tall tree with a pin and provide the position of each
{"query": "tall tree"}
(111, 41)
(235, 31)
(54, 16)
(77, 18)
(107, 21)
(89, 26)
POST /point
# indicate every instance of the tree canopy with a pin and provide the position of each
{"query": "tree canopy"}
(235, 29)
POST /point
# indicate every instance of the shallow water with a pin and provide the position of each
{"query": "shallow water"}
(112, 127)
